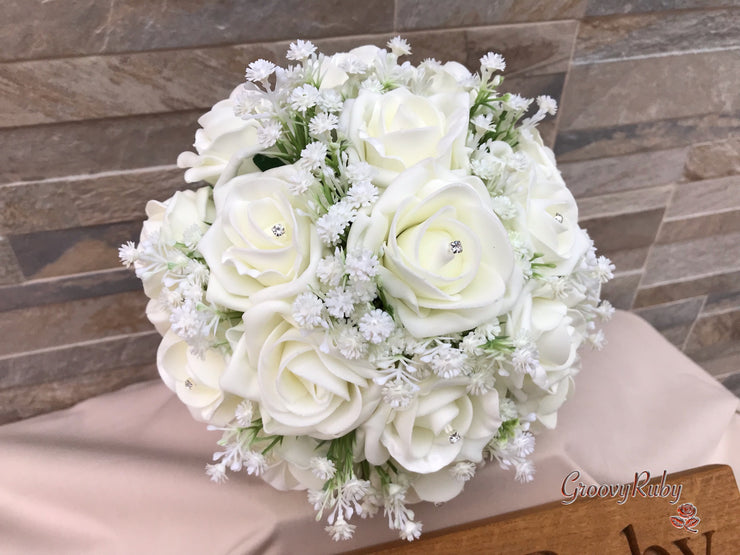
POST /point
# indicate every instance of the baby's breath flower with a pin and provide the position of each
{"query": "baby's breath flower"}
(605, 269)
(523, 444)
(317, 498)
(507, 409)
(371, 84)
(250, 101)
(483, 122)
(547, 104)
(376, 326)
(350, 343)
(259, 70)
(524, 471)
(322, 123)
(504, 208)
(268, 133)
(524, 358)
(359, 172)
(410, 531)
(304, 97)
(332, 224)
(244, 413)
(331, 268)
(341, 530)
(339, 303)
(362, 194)
(489, 330)
(361, 265)
(355, 489)
(217, 472)
(493, 62)
(171, 298)
(314, 154)
(330, 101)
(472, 343)
(300, 50)
(518, 162)
(301, 180)
(322, 468)
(486, 166)
(254, 463)
(307, 311)
(363, 291)
(191, 291)
(481, 382)
(191, 236)
(463, 470)
(128, 253)
(446, 361)
(399, 46)
(517, 103)
(605, 311)
(597, 340)
(352, 65)
(398, 393)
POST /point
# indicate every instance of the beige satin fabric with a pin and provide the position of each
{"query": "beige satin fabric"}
(124, 472)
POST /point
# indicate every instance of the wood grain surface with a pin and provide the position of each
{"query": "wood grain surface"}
(600, 525)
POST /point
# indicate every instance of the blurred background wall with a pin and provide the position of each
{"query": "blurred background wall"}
(97, 98)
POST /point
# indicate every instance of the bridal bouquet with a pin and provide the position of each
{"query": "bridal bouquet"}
(383, 286)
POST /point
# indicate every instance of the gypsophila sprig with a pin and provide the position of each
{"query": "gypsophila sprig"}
(380, 247)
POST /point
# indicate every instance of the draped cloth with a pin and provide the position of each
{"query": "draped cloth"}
(124, 472)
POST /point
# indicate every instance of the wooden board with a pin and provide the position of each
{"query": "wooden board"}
(596, 525)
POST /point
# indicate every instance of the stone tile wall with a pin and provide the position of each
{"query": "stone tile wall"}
(98, 100)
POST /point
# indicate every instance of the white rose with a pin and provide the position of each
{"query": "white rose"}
(395, 130)
(158, 316)
(550, 215)
(435, 487)
(447, 78)
(222, 136)
(441, 425)
(289, 466)
(259, 246)
(416, 225)
(557, 332)
(546, 407)
(195, 380)
(302, 387)
(167, 223)
(333, 74)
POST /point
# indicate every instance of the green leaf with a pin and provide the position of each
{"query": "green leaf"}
(265, 163)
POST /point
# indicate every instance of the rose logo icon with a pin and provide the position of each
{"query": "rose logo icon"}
(686, 518)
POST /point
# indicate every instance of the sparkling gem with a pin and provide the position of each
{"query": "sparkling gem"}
(278, 230)
(456, 247)
(558, 217)
(455, 437)
(189, 384)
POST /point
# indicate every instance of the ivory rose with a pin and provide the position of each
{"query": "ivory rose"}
(260, 246)
(289, 465)
(333, 74)
(395, 130)
(195, 379)
(302, 387)
(557, 332)
(446, 78)
(550, 216)
(441, 425)
(222, 136)
(167, 223)
(446, 263)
